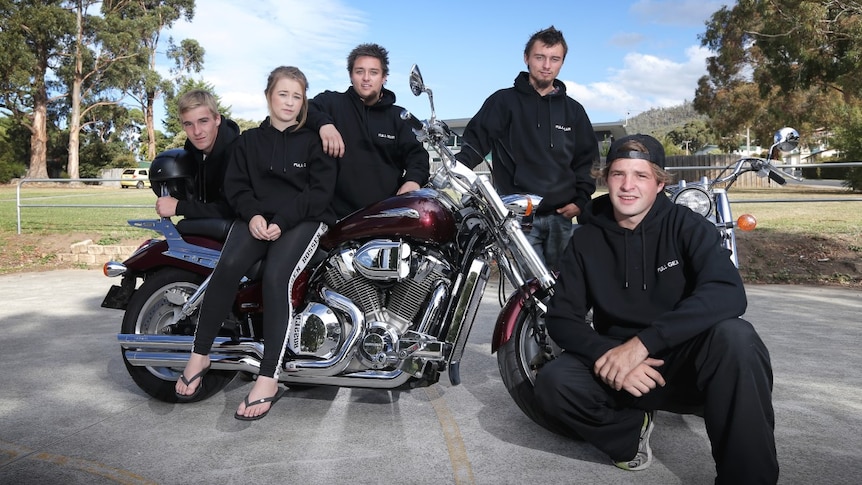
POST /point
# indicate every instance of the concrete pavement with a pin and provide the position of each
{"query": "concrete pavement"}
(69, 413)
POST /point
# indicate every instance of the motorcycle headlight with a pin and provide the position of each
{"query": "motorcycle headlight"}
(696, 199)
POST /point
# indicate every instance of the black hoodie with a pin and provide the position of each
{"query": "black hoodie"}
(209, 199)
(381, 152)
(282, 175)
(543, 145)
(666, 281)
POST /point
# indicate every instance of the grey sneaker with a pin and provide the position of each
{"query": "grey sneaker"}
(643, 458)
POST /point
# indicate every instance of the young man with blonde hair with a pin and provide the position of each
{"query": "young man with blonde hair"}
(210, 139)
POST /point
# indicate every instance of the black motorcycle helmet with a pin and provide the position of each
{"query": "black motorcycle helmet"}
(173, 170)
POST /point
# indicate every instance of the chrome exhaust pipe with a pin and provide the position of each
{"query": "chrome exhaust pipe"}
(363, 379)
(174, 350)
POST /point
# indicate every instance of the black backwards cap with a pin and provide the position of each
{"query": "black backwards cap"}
(654, 154)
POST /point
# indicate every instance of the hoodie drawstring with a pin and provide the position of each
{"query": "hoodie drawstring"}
(281, 137)
(550, 122)
(626, 259)
(550, 118)
(643, 260)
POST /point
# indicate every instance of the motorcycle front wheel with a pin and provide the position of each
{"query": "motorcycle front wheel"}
(519, 361)
(150, 310)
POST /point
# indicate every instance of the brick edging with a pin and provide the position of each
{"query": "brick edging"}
(86, 252)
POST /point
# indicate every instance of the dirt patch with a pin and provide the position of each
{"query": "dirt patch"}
(800, 259)
(31, 252)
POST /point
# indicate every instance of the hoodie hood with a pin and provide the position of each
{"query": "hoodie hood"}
(600, 212)
(522, 85)
(228, 130)
(386, 100)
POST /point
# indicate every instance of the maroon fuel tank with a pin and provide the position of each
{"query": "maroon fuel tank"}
(417, 215)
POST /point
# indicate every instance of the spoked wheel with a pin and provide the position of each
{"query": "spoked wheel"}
(151, 311)
(522, 357)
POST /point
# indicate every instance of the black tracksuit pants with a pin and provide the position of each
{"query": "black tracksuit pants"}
(286, 257)
(724, 373)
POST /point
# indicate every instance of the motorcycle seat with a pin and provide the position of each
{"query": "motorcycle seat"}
(212, 228)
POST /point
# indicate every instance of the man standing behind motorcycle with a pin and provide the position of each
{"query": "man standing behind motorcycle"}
(280, 183)
(666, 303)
(210, 138)
(379, 154)
(541, 142)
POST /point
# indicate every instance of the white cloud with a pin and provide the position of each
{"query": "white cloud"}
(627, 39)
(244, 41)
(677, 12)
(644, 82)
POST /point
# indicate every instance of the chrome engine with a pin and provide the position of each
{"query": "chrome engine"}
(401, 292)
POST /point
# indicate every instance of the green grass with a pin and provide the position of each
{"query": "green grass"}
(805, 217)
(107, 222)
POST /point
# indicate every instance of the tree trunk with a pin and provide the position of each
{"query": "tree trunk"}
(151, 129)
(39, 141)
(75, 115)
(74, 131)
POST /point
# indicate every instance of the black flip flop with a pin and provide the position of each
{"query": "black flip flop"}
(274, 399)
(187, 382)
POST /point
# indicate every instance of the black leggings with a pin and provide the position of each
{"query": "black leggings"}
(286, 257)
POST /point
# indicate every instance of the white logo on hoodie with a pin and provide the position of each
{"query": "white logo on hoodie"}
(670, 264)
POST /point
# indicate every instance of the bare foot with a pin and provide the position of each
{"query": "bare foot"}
(263, 387)
(195, 365)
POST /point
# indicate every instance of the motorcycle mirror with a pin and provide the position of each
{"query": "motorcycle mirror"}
(417, 85)
(786, 139)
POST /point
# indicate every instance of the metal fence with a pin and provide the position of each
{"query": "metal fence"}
(19, 205)
(710, 165)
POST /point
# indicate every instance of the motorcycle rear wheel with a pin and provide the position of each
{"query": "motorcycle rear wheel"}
(148, 312)
(519, 360)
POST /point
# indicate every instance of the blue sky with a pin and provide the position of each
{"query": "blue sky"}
(624, 57)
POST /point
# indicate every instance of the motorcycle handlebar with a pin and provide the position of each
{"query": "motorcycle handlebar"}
(411, 120)
(776, 178)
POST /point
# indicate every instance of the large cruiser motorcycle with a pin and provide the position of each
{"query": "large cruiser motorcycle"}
(388, 302)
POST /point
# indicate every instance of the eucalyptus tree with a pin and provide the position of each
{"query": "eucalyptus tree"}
(93, 71)
(781, 62)
(35, 35)
(152, 18)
